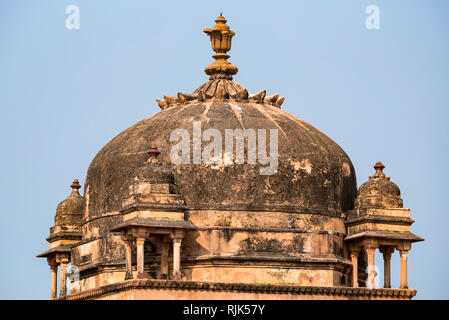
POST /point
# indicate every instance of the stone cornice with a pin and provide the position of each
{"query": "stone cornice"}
(385, 235)
(261, 229)
(267, 208)
(260, 209)
(301, 258)
(380, 219)
(60, 249)
(329, 292)
(64, 236)
(154, 206)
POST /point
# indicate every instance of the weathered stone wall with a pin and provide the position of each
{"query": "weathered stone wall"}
(231, 246)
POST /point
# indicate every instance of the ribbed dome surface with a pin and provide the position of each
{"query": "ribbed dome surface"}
(379, 191)
(72, 204)
(69, 211)
(314, 174)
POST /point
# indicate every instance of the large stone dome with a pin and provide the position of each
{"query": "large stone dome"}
(314, 174)
(309, 172)
(268, 209)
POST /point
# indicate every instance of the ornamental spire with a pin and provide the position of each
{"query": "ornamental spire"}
(379, 167)
(220, 38)
(379, 174)
(75, 186)
(153, 155)
(220, 86)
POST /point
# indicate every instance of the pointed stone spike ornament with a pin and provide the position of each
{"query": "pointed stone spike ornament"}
(259, 97)
(170, 100)
(183, 97)
(279, 102)
(272, 99)
(162, 104)
(220, 86)
(241, 96)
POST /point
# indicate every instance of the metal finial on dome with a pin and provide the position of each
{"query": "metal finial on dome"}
(379, 166)
(379, 174)
(220, 37)
(75, 184)
(154, 153)
(75, 187)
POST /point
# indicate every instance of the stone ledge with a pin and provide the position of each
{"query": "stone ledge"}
(274, 230)
(267, 208)
(380, 219)
(233, 229)
(260, 209)
(302, 259)
(154, 205)
(60, 249)
(326, 292)
(154, 223)
(385, 235)
(64, 235)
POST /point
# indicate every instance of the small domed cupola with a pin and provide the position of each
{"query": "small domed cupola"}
(65, 233)
(69, 212)
(379, 222)
(153, 208)
(153, 188)
(379, 191)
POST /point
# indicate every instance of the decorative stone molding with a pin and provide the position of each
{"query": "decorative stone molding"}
(210, 288)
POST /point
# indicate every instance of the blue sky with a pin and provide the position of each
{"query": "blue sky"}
(380, 94)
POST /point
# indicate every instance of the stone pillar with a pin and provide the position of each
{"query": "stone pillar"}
(140, 258)
(128, 254)
(355, 267)
(404, 255)
(370, 251)
(386, 252)
(177, 258)
(63, 283)
(165, 245)
(54, 280)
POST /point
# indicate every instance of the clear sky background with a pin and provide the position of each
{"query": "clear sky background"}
(380, 94)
